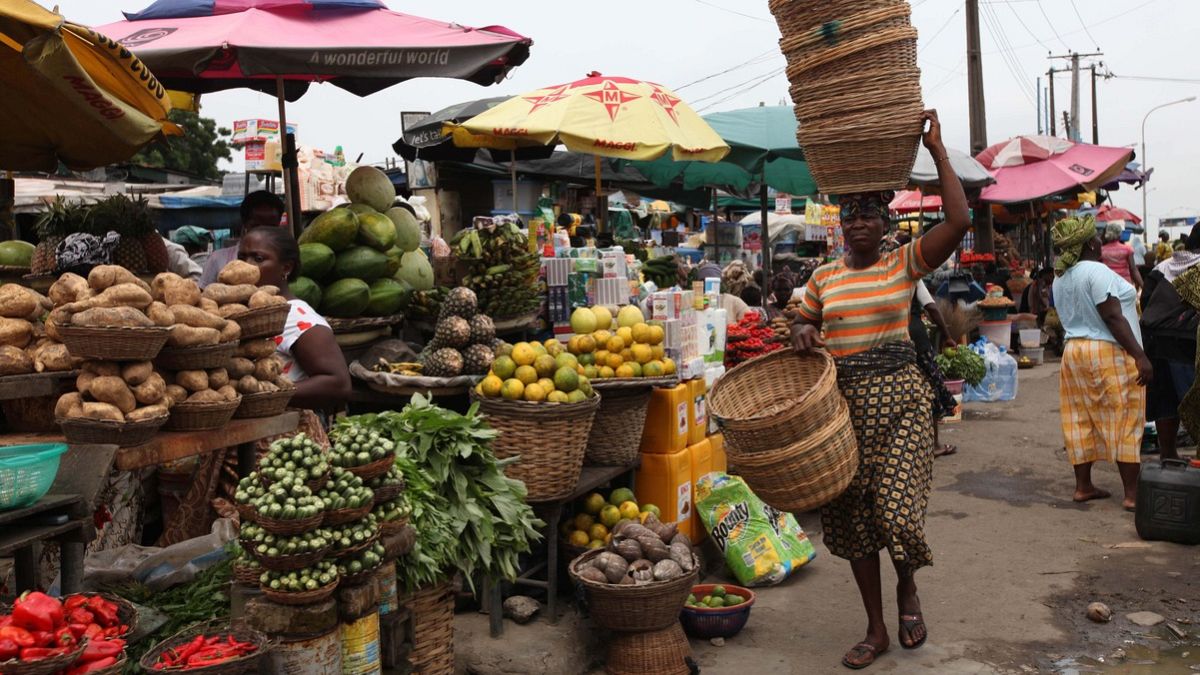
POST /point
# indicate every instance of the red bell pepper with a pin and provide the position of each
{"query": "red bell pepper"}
(74, 601)
(38, 653)
(63, 637)
(92, 666)
(8, 649)
(105, 611)
(42, 638)
(22, 637)
(80, 615)
(100, 649)
(77, 629)
(5, 620)
(93, 631)
(37, 611)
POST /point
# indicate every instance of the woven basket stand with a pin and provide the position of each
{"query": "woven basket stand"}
(432, 611)
(617, 441)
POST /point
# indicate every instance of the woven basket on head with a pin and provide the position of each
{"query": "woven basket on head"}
(853, 69)
(550, 438)
(807, 474)
(634, 609)
(775, 400)
(661, 652)
(616, 442)
(432, 610)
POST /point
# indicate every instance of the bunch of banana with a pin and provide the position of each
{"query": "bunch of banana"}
(662, 271)
(399, 368)
(505, 275)
(467, 244)
(427, 305)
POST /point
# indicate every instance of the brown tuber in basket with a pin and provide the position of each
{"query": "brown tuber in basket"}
(113, 344)
(81, 431)
(264, 404)
(262, 322)
(635, 608)
(202, 416)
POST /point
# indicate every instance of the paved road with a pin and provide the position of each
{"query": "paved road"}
(1016, 563)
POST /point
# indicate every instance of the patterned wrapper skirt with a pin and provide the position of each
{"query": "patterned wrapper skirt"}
(1103, 406)
(884, 506)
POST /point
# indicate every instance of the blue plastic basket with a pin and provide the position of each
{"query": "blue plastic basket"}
(27, 472)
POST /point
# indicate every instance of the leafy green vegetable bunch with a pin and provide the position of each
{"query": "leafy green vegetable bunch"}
(960, 363)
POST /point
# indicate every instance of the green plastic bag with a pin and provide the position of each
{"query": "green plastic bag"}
(762, 545)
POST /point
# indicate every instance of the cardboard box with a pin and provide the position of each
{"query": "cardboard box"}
(257, 131)
(264, 156)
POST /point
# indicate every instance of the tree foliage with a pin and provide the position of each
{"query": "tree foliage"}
(203, 143)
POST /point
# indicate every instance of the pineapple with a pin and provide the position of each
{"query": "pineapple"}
(461, 301)
(61, 218)
(453, 331)
(483, 331)
(443, 363)
(141, 248)
(477, 359)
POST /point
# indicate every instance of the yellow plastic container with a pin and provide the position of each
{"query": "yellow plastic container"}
(701, 459)
(665, 480)
(667, 421)
(720, 462)
(697, 411)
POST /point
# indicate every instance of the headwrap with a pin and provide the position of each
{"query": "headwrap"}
(1112, 232)
(1069, 236)
(190, 235)
(865, 204)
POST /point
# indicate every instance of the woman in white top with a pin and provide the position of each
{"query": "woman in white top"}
(312, 358)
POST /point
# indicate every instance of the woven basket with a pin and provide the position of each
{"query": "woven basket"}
(196, 358)
(265, 404)
(661, 652)
(390, 527)
(247, 576)
(79, 431)
(202, 416)
(617, 441)
(298, 598)
(853, 68)
(551, 439)
(114, 669)
(343, 516)
(357, 548)
(635, 609)
(774, 400)
(262, 322)
(374, 469)
(432, 610)
(289, 527)
(358, 579)
(114, 344)
(242, 664)
(43, 666)
(245, 513)
(804, 475)
(287, 563)
(386, 493)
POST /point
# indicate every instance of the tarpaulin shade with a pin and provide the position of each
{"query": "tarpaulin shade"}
(1032, 167)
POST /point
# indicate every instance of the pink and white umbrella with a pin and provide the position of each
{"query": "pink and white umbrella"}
(1031, 167)
(1112, 214)
(912, 201)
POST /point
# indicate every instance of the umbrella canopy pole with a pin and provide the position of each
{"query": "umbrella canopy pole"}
(600, 212)
(513, 170)
(289, 161)
(766, 231)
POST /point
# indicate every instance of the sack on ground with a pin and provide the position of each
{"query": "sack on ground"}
(761, 544)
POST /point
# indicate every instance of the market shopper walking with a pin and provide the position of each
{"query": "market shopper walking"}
(862, 301)
(1104, 370)
(1119, 256)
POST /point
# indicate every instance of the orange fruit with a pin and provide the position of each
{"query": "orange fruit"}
(535, 393)
(523, 354)
(642, 353)
(490, 386)
(526, 374)
(657, 334)
(614, 361)
(615, 343)
(587, 344)
(513, 389)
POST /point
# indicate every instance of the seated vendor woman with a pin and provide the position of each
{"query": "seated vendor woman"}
(311, 357)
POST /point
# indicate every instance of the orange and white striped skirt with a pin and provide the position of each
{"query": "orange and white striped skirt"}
(1103, 406)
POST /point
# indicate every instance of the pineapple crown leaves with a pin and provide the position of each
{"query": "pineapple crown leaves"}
(124, 215)
(63, 217)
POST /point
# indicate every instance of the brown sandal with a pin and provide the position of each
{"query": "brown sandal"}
(860, 650)
(908, 624)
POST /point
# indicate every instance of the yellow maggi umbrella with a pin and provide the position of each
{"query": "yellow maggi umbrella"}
(69, 94)
(602, 116)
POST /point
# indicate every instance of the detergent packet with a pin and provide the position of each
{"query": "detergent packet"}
(762, 545)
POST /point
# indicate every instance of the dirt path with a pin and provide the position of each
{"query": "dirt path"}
(1016, 563)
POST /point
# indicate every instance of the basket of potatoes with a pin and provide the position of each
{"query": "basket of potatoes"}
(120, 403)
(203, 399)
(200, 337)
(104, 317)
(260, 311)
(257, 373)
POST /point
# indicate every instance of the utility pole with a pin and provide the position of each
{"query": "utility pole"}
(1074, 57)
(1039, 106)
(1050, 112)
(978, 119)
(1095, 111)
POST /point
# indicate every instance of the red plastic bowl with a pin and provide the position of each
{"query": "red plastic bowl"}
(711, 622)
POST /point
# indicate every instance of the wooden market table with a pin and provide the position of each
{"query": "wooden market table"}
(590, 479)
(63, 515)
(169, 446)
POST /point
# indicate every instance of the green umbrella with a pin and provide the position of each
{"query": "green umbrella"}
(762, 149)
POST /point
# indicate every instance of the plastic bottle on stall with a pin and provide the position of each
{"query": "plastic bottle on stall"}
(1006, 380)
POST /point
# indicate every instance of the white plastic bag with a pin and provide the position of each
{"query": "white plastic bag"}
(1000, 381)
(159, 568)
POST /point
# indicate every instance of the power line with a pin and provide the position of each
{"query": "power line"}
(939, 31)
(773, 73)
(1010, 61)
(1085, 28)
(1022, 22)
(1094, 24)
(1051, 24)
(1150, 78)
(761, 81)
(734, 11)
(753, 60)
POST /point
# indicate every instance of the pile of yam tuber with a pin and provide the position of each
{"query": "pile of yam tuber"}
(25, 346)
(118, 392)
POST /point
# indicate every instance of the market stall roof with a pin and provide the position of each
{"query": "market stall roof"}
(70, 95)
(969, 171)
(358, 45)
(424, 139)
(1032, 167)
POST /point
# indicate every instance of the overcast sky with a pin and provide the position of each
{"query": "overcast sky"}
(677, 42)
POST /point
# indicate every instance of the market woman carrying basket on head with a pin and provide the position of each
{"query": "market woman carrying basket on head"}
(862, 303)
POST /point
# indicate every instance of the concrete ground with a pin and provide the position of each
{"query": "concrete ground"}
(1016, 564)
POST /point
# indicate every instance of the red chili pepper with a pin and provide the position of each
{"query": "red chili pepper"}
(92, 666)
(8, 649)
(5, 620)
(99, 649)
(37, 611)
(191, 648)
(38, 653)
(22, 637)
